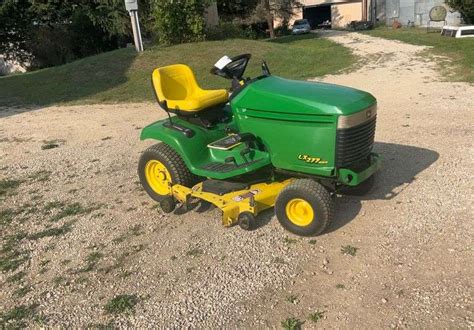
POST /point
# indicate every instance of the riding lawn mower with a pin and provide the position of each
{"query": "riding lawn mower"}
(267, 142)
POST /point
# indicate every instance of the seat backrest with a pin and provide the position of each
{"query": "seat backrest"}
(174, 82)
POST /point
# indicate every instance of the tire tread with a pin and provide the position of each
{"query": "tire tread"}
(313, 188)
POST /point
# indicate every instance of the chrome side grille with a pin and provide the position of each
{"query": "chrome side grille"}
(355, 143)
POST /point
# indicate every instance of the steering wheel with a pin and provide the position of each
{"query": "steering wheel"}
(235, 68)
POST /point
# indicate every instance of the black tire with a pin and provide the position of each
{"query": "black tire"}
(313, 193)
(168, 204)
(247, 221)
(363, 189)
(173, 162)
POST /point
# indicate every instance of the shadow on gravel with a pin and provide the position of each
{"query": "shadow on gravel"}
(400, 167)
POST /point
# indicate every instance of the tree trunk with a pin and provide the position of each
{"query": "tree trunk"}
(269, 17)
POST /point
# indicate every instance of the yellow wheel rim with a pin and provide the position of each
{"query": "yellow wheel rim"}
(158, 177)
(299, 212)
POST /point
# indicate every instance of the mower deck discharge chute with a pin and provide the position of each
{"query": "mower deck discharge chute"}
(271, 142)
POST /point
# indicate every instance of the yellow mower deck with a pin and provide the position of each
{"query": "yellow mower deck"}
(257, 198)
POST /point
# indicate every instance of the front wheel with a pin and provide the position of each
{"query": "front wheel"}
(159, 167)
(304, 207)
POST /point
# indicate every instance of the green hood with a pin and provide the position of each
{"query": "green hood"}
(277, 94)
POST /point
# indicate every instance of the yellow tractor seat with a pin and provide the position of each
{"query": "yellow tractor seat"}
(177, 85)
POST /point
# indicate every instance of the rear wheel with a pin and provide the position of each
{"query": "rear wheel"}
(304, 207)
(159, 167)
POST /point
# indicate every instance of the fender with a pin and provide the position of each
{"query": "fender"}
(193, 150)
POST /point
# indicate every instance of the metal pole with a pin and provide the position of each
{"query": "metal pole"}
(140, 42)
(137, 37)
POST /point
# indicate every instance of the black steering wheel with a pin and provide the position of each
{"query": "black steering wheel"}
(235, 68)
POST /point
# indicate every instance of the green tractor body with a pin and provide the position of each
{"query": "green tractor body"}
(272, 142)
(296, 122)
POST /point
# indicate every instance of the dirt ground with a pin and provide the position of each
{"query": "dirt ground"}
(78, 230)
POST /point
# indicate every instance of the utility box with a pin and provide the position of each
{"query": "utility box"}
(131, 5)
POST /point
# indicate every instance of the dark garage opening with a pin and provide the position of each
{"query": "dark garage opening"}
(317, 15)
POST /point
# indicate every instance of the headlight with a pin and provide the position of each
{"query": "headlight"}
(357, 118)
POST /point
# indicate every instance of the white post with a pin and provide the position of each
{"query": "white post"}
(137, 35)
(132, 8)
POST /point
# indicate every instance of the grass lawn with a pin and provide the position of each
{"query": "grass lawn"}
(124, 76)
(460, 51)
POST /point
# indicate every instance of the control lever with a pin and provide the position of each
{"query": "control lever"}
(243, 152)
(265, 69)
(231, 159)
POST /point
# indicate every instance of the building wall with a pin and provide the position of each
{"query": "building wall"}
(309, 3)
(344, 13)
(416, 11)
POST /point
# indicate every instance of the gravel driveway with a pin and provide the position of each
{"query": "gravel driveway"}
(78, 230)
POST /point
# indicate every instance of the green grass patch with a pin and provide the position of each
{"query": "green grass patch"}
(292, 299)
(91, 262)
(135, 230)
(195, 252)
(349, 250)
(316, 316)
(40, 176)
(11, 254)
(99, 326)
(22, 291)
(16, 317)
(289, 240)
(8, 187)
(52, 232)
(51, 144)
(460, 51)
(49, 206)
(279, 260)
(71, 210)
(7, 216)
(291, 323)
(121, 304)
(124, 76)
(16, 277)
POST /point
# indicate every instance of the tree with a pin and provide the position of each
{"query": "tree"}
(269, 10)
(15, 20)
(236, 9)
(51, 32)
(179, 21)
(465, 7)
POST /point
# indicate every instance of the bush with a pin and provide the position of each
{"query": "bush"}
(282, 30)
(231, 30)
(465, 7)
(56, 44)
(179, 21)
(225, 30)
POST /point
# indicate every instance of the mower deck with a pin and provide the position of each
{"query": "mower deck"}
(255, 199)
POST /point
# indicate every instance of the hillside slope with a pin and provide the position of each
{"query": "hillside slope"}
(124, 76)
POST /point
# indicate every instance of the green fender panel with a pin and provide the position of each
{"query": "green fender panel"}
(195, 152)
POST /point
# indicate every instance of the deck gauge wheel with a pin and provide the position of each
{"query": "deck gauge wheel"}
(247, 221)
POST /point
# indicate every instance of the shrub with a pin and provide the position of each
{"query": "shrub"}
(179, 21)
(232, 30)
(465, 7)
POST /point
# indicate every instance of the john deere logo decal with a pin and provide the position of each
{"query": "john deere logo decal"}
(312, 160)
